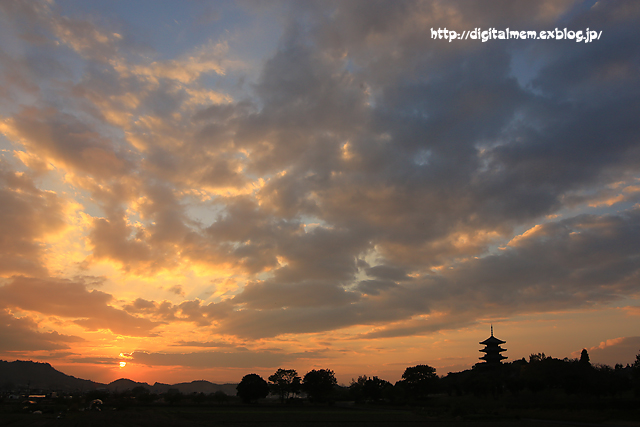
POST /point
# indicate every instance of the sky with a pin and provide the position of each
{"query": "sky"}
(205, 189)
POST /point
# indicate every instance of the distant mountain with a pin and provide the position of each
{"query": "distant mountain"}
(124, 384)
(200, 386)
(205, 387)
(21, 375)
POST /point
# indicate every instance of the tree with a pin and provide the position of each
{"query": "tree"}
(319, 384)
(537, 357)
(420, 380)
(374, 388)
(252, 387)
(198, 398)
(173, 396)
(356, 388)
(285, 382)
(635, 375)
(220, 396)
(584, 357)
(143, 395)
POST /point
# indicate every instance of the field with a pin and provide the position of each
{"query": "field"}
(276, 416)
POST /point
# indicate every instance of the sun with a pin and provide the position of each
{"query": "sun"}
(123, 364)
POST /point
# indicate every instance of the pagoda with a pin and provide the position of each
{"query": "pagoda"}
(492, 350)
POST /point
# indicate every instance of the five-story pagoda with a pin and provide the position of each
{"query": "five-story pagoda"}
(492, 350)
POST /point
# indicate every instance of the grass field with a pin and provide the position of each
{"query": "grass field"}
(526, 409)
(271, 416)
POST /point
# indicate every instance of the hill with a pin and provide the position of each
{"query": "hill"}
(23, 375)
(199, 386)
(205, 387)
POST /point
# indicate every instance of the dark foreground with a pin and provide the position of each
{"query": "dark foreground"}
(283, 416)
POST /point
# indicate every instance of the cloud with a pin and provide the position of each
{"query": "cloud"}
(110, 361)
(22, 334)
(582, 261)
(370, 180)
(27, 217)
(177, 289)
(374, 287)
(618, 350)
(111, 241)
(387, 272)
(217, 359)
(265, 295)
(216, 344)
(632, 310)
(212, 359)
(67, 141)
(208, 58)
(69, 299)
(187, 311)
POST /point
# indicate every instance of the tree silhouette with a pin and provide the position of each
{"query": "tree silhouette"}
(356, 388)
(635, 375)
(220, 396)
(420, 380)
(374, 388)
(285, 382)
(318, 384)
(584, 357)
(173, 396)
(252, 387)
(537, 357)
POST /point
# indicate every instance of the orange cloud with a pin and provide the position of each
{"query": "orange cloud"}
(27, 216)
(22, 335)
(69, 299)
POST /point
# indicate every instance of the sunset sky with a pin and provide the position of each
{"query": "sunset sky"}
(205, 189)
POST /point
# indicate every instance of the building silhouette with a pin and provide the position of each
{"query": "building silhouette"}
(492, 350)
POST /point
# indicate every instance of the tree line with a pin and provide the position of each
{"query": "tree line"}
(321, 385)
(539, 373)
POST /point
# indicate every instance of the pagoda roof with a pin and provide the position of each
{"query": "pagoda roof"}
(493, 358)
(492, 340)
(492, 349)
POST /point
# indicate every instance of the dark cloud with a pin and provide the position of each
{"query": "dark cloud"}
(582, 261)
(265, 295)
(186, 311)
(140, 305)
(374, 287)
(110, 361)
(177, 289)
(387, 272)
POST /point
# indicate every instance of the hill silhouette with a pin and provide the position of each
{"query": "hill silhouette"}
(22, 375)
